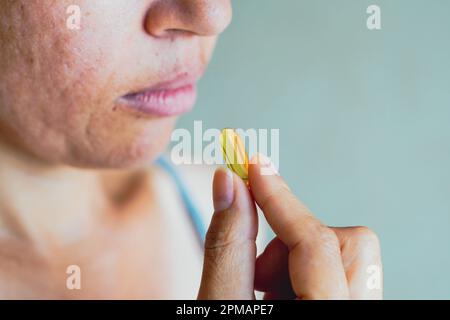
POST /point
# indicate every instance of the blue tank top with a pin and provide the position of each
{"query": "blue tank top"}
(191, 209)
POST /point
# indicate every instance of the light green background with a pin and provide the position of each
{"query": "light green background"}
(364, 118)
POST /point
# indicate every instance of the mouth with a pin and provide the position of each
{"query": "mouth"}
(170, 98)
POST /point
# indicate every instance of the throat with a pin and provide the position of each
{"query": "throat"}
(54, 207)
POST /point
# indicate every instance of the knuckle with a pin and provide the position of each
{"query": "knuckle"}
(328, 238)
(323, 234)
(328, 235)
(366, 238)
(320, 239)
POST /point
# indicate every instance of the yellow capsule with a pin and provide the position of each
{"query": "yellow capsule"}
(234, 153)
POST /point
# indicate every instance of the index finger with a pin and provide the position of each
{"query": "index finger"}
(315, 264)
(289, 218)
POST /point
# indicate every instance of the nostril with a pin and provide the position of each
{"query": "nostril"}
(187, 18)
(178, 32)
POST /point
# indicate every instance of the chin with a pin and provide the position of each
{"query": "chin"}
(132, 149)
(139, 156)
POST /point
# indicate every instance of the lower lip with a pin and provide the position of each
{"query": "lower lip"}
(161, 103)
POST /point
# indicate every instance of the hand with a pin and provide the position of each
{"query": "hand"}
(306, 259)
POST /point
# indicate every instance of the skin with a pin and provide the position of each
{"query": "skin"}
(306, 259)
(66, 115)
(77, 184)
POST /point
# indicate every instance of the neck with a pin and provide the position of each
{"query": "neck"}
(48, 205)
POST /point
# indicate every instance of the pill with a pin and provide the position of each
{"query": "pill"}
(234, 153)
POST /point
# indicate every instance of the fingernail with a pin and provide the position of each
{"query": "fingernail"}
(223, 189)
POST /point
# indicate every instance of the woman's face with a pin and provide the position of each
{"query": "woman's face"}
(106, 94)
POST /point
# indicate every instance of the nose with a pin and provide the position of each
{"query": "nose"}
(198, 17)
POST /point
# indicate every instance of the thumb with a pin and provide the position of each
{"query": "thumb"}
(230, 245)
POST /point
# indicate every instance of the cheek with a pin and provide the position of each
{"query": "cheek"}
(58, 94)
(67, 114)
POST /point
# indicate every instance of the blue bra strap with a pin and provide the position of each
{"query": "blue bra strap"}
(191, 208)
